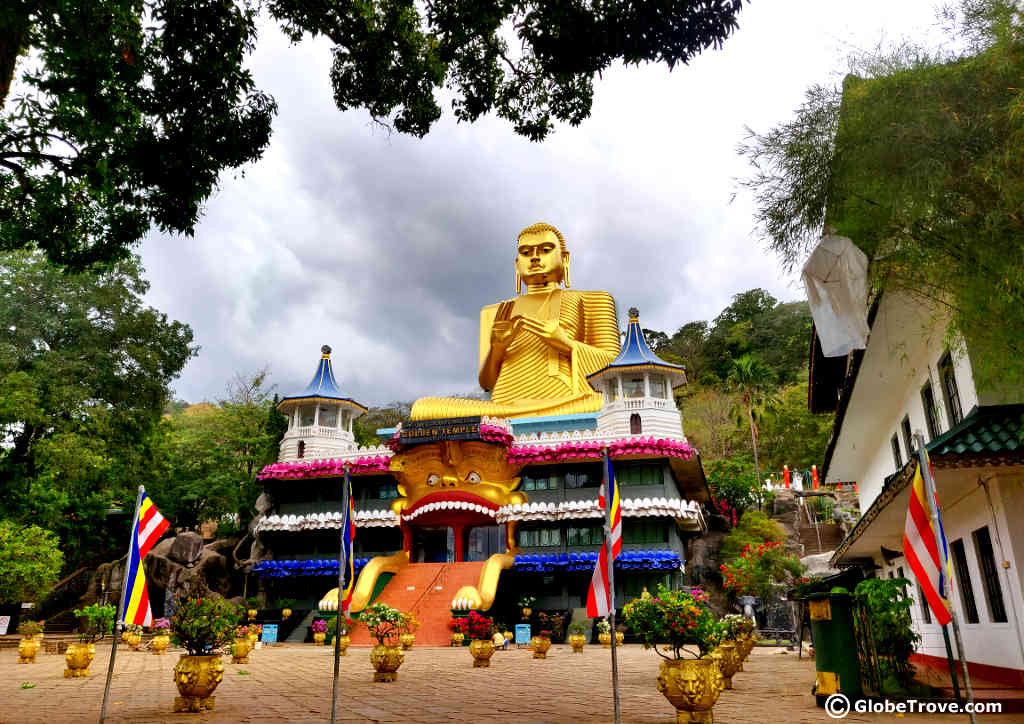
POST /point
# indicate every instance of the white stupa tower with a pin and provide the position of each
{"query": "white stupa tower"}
(320, 418)
(637, 388)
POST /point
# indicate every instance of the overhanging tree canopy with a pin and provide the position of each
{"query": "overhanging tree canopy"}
(921, 163)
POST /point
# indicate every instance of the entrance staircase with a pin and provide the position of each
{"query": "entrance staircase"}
(427, 590)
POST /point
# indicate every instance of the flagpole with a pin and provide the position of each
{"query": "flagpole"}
(929, 486)
(342, 565)
(608, 499)
(120, 606)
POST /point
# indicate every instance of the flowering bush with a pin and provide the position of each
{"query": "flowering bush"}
(28, 629)
(544, 634)
(526, 601)
(760, 571)
(805, 585)
(347, 624)
(603, 626)
(457, 625)
(203, 624)
(319, 626)
(479, 627)
(382, 621)
(161, 626)
(576, 628)
(674, 618)
(734, 625)
(410, 624)
(241, 632)
(551, 622)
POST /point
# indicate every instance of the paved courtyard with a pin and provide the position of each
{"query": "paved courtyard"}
(293, 683)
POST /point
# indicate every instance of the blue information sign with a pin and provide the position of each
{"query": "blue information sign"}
(522, 633)
(269, 633)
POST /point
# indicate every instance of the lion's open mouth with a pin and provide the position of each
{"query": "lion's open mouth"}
(444, 504)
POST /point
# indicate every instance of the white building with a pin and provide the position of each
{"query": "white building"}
(909, 379)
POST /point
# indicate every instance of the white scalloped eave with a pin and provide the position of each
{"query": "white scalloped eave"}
(315, 521)
(575, 509)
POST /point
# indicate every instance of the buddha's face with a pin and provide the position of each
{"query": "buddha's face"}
(539, 258)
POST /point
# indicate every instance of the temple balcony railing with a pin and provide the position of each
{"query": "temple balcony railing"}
(309, 431)
(639, 403)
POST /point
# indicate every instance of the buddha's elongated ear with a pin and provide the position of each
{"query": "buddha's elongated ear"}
(565, 269)
(519, 283)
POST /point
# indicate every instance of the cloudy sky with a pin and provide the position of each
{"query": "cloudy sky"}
(386, 246)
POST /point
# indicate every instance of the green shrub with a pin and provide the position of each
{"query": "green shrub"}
(99, 621)
(754, 529)
(30, 561)
(888, 607)
(203, 624)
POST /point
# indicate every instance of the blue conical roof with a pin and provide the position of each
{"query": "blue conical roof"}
(323, 385)
(636, 353)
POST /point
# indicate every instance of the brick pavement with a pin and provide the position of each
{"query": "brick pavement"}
(292, 683)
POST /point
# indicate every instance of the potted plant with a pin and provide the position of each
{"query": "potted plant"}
(319, 631)
(251, 606)
(458, 627)
(95, 622)
(201, 625)
(526, 603)
(132, 635)
(240, 646)
(480, 629)
(576, 638)
(410, 624)
(540, 644)
(604, 633)
(161, 629)
(620, 633)
(286, 607)
(28, 647)
(255, 631)
(343, 640)
(384, 623)
(675, 623)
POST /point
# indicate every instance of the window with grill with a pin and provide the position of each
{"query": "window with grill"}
(307, 413)
(633, 387)
(931, 414)
(636, 427)
(301, 452)
(541, 481)
(639, 475)
(963, 580)
(908, 438)
(644, 532)
(591, 535)
(926, 611)
(588, 478)
(949, 388)
(659, 388)
(540, 537)
(387, 491)
(897, 456)
(989, 575)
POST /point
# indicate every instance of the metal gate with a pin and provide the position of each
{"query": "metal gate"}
(870, 677)
(777, 620)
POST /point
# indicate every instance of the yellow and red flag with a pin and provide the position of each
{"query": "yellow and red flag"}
(599, 596)
(925, 548)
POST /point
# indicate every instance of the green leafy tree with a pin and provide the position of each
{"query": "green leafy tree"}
(754, 382)
(919, 159)
(30, 561)
(754, 529)
(790, 434)
(123, 118)
(710, 424)
(732, 486)
(760, 570)
(84, 375)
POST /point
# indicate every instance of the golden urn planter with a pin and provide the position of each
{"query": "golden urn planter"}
(482, 652)
(343, 642)
(318, 638)
(134, 640)
(407, 640)
(253, 638)
(526, 612)
(240, 651)
(386, 660)
(619, 637)
(196, 678)
(457, 639)
(252, 614)
(285, 613)
(27, 650)
(692, 686)
(577, 641)
(540, 646)
(605, 639)
(509, 636)
(77, 658)
(728, 661)
(160, 643)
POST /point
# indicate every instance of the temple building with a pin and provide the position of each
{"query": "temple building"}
(473, 503)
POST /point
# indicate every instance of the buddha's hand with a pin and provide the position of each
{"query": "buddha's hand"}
(548, 330)
(502, 334)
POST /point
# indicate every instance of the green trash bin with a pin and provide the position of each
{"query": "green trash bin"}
(835, 645)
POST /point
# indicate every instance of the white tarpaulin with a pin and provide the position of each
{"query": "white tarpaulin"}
(836, 279)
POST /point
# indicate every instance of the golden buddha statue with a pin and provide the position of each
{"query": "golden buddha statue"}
(536, 350)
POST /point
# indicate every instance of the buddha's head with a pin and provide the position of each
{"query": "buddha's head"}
(541, 256)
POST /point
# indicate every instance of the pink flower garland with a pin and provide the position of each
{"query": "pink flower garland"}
(590, 450)
(325, 468)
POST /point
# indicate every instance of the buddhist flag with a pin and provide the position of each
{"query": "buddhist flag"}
(148, 526)
(599, 597)
(348, 539)
(921, 546)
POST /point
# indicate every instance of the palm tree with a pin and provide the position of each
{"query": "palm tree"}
(755, 383)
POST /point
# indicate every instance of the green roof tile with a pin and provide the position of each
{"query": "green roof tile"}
(994, 429)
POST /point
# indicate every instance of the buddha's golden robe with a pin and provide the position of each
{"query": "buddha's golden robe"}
(535, 378)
